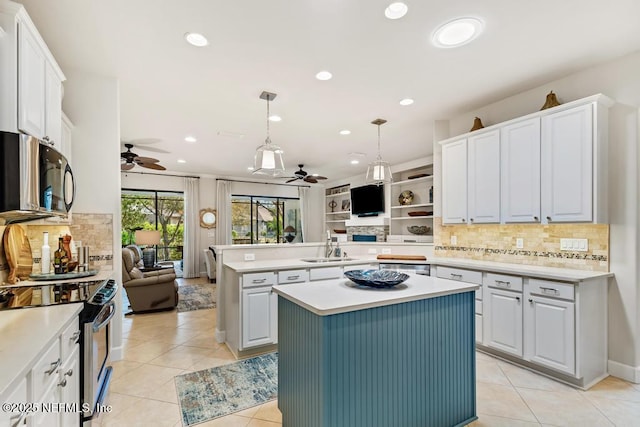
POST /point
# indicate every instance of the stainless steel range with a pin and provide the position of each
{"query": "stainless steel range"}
(95, 321)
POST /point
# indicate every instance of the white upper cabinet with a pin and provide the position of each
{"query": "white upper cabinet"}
(484, 178)
(30, 79)
(520, 171)
(31, 83)
(454, 182)
(567, 165)
(547, 167)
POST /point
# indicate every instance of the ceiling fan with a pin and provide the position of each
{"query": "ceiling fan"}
(138, 143)
(129, 159)
(303, 175)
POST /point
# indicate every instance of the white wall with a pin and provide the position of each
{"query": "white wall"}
(619, 80)
(93, 105)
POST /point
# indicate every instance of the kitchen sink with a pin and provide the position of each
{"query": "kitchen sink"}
(326, 259)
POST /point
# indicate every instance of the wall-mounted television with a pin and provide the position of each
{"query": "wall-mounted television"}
(367, 200)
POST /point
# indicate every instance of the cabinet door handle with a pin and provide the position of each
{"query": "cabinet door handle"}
(531, 300)
(551, 291)
(464, 220)
(258, 280)
(54, 366)
(63, 383)
(503, 283)
(471, 219)
(549, 218)
(69, 373)
(75, 336)
(535, 218)
(518, 299)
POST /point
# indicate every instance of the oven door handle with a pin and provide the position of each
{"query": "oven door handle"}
(112, 311)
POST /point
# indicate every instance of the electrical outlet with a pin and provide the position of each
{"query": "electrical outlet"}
(372, 251)
(249, 257)
(519, 243)
(454, 240)
(386, 251)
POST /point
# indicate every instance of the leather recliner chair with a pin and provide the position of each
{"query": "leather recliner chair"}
(150, 291)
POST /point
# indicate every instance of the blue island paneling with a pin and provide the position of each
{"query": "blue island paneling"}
(407, 365)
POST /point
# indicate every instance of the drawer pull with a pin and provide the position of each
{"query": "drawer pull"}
(69, 373)
(75, 336)
(550, 291)
(258, 280)
(456, 275)
(54, 366)
(503, 283)
(293, 277)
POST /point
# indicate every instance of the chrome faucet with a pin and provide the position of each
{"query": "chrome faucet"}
(328, 247)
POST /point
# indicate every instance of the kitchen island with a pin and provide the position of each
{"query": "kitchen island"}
(356, 356)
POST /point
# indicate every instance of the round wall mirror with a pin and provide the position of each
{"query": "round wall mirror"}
(207, 218)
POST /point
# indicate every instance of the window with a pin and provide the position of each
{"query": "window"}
(259, 219)
(154, 210)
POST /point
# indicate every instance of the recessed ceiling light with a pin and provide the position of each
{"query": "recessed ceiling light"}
(190, 139)
(275, 118)
(457, 32)
(355, 162)
(250, 168)
(406, 101)
(324, 75)
(181, 161)
(396, 10)
(345, 132)
(196, 39)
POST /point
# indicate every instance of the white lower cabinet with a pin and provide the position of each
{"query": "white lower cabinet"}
(550, 332)
(503, 320)
(16, 418)
(69, 386)
(259, 317)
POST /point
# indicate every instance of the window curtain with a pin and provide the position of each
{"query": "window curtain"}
(223, 236)
(191, 252)
(303, 194)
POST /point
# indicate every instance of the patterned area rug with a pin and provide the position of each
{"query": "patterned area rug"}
(223, 390)
(196, 297)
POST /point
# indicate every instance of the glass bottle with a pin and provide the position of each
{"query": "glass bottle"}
(59, 258)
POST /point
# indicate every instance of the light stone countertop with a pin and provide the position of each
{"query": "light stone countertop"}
(552, 273)
(295, 263)
(327, 297)
(26, 334)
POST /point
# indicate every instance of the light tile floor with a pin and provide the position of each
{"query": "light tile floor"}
(159, 346)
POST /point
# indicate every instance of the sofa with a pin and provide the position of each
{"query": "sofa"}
(148, 291)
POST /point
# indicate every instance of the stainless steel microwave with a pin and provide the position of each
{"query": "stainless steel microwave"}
(36, 180)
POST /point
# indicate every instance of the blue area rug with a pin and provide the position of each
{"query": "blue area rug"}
(223, 390)
(196, 296)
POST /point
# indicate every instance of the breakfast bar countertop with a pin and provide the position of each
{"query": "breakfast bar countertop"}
(335, 296)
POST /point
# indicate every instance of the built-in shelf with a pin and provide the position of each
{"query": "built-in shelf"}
(344, 193)
(410, 217)
(338, 213)
(336, 220)
(417, 205)
(411, 181)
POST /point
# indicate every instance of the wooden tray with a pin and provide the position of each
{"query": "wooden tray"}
(419, 213)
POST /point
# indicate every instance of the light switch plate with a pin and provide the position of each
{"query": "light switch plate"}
(249, 257)
(454, 240)
(386, 251)
(519, 243)
(576, 245)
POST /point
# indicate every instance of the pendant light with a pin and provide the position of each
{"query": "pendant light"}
(378, 172)
(268, 158)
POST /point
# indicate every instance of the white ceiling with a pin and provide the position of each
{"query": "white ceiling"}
(169, 89)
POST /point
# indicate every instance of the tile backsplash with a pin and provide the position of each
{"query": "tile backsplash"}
(496, 242)
(93, 230)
